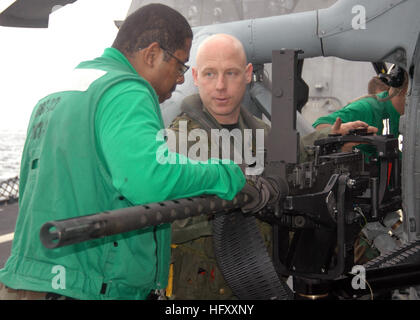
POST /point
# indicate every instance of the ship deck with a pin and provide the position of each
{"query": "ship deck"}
(8, 216)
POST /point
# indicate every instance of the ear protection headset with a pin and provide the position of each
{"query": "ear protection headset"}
(394, 77)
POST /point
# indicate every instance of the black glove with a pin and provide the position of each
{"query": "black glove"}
(262, 192)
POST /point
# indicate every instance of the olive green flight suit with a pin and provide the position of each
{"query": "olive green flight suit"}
(195, 271)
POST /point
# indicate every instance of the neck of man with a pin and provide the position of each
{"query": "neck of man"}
(141, 69)
(227, 119)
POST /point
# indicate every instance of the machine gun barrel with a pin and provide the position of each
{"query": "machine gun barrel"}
(60, 233)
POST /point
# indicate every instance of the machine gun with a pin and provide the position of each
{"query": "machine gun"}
(322, 207)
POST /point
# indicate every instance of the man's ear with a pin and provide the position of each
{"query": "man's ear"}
(248, 72)
(194, 72)
(151, 53)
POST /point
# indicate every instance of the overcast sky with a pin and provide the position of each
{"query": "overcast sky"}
(31, 60)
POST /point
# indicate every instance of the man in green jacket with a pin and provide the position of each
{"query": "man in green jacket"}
(221, 75)
(92, 146)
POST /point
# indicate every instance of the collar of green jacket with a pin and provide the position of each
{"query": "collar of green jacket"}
(116, 61)
(115, 54)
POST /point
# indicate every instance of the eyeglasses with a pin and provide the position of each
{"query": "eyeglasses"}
(183, 67)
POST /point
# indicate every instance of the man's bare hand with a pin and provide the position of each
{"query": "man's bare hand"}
(344, 128)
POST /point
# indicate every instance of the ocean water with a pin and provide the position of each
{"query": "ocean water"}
(11, 147)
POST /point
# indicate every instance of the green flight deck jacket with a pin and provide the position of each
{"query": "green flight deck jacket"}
(94, 145)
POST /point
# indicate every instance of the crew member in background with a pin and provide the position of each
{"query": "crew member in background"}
(373, 109)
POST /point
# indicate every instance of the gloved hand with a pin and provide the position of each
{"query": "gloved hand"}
(262, 192)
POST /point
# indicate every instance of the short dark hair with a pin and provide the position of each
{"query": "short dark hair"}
(153, 23)
(376, 85)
